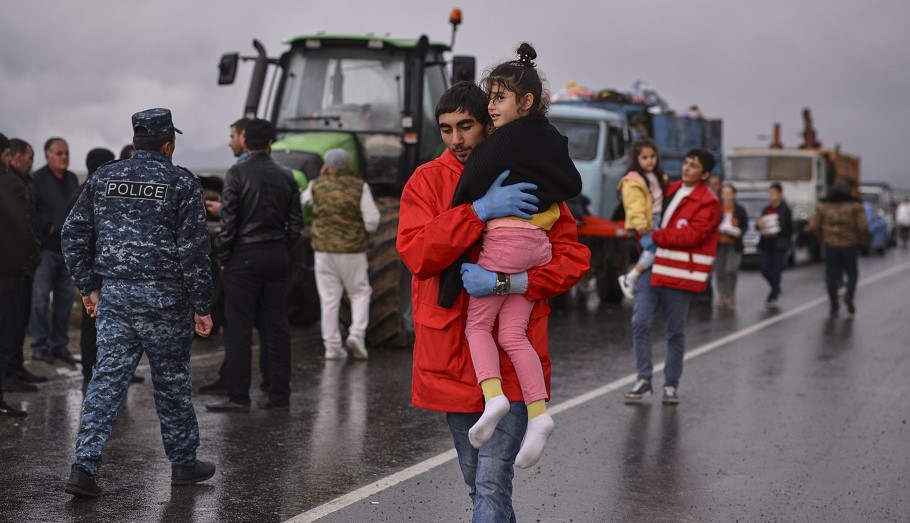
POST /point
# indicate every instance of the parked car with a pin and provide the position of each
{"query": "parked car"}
(878, 229)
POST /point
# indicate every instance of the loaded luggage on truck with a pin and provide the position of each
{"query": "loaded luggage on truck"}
(601, 127)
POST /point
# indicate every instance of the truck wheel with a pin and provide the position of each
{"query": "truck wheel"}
(391, 313)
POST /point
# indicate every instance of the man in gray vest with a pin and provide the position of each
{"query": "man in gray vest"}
(343, 213)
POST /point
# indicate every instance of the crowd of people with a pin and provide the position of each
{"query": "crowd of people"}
(484, 229)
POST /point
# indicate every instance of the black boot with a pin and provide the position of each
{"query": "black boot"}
(82, 484)
(199, 471)
(11, 412)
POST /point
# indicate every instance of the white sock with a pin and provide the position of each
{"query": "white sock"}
(494, 410)
(539, 431)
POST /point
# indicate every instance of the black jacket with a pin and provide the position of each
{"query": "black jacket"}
(51, 199)
(17, 243)
(783, 239)
(260, 203)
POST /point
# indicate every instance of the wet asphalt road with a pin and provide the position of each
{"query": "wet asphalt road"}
(786, 415)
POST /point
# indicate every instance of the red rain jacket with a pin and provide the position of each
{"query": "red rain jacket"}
(431, 236)
(687, 245)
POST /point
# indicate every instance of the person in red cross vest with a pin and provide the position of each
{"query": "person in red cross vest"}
(686, 245)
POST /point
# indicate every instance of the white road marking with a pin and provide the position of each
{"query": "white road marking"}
(428, 464)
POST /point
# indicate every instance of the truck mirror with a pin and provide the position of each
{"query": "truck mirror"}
(227, 68)
(463, 68)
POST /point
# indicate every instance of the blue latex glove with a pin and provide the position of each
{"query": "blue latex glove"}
(511, 200)
(478, 281)
(647, 243)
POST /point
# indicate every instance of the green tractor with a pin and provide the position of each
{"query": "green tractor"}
(374, 96)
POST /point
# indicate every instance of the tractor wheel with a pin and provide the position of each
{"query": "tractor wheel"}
(391, 313)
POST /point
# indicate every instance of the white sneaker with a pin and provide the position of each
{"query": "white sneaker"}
(336, 353)
(358, 349)
(627, 286)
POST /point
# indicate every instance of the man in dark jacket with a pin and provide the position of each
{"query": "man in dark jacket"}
(260, 222)
(18, 378)
(776, 227)
(840, 223)
(17, 244)
(51, 192)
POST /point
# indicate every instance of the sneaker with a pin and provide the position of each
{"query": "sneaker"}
(358, 349)
(199, 471)
(23, 374)
(851, 308)
(43, 355)
(671, 396)
(82, 484)
(336, 353)
(627, 286)
(641, 389)
(771, 303)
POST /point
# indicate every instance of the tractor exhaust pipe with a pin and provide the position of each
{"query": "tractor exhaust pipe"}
(256, 81)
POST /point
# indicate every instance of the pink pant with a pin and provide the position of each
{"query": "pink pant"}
(509, 250)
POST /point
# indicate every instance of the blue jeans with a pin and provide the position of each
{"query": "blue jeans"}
(51, 277)
(772, 265)
(675, 303)
(490, 469)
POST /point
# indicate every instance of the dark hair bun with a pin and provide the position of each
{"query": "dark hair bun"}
(526, 54)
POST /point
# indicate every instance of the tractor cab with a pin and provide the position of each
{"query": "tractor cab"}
(374, 96)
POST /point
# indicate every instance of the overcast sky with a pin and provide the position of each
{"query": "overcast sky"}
(79, 69)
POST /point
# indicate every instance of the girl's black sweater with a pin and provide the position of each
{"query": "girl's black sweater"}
(534, 150)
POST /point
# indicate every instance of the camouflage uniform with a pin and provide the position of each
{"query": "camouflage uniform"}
(337, 219)
(138, 234)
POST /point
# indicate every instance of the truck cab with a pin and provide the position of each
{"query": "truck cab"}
(597, 145)
(805, 175)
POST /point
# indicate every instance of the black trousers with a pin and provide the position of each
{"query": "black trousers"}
(840, 260)
(9, 321)
(16, 360)
(256, 285)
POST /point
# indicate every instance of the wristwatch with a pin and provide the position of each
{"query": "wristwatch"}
(503, 282)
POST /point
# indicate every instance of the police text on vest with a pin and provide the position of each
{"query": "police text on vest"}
(136, 190)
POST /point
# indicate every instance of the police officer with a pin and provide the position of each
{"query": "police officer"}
(137, 245)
